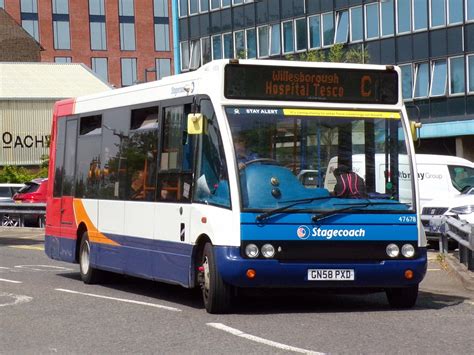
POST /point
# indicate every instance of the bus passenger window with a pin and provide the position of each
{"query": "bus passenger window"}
(140, 155)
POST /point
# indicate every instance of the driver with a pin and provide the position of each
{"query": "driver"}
(242, 153)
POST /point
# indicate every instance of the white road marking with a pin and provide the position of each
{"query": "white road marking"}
(43, 268)
(121, 300)
(27, 247)
(11, 281)
(256, 339)
(17, 299)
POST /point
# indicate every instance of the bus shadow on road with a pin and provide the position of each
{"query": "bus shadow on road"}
(271, 301)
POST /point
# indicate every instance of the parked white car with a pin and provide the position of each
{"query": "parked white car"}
(7, 190)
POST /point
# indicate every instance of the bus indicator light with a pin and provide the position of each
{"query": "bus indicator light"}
(251, 273)
(408, 274)
(204, 220)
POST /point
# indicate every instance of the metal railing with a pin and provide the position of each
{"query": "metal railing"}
(460, 231)
(15, 214)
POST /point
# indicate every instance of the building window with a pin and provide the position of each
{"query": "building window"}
(301, 33)
(62, 39)
(288, 37)
(469, 10)
(29, 17)
(356, 24)
(203, 5)
(314, 29)
(403, 16)
(456, 76)
(342, 27)
(470, 73)
(388, 16)
(2, 4)
(195, 59)
(407, 81)
(439, 74)
(328, 29)
(216, 47)
(263, 37)
(372, 21)
(163, 68)
(184, 53)
(206, 50)
(421, 80)
(62, 59)
(129, 71)
(193, 7)
(275, 42)
(438, 13)
(228, 45)
(455, 11)
(237, 2)
(225, 3)
(97, 25)
(99, 66)
(420, 15)
(215, 4)
(251, 39)
(183, 8)
(127, 25)
(239, 44)
(162, 27)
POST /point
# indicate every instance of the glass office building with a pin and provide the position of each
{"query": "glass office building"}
(431, 40)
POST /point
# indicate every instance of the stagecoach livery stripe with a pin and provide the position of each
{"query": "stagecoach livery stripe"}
(95, 236)
(66, 107)
(342, 113)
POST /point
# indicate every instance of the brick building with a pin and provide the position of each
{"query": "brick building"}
(16, 44)
(122, 41)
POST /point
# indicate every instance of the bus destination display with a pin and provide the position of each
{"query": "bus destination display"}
(257, 82)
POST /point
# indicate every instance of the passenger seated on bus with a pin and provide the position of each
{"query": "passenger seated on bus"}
(137, 187)
(348, 183)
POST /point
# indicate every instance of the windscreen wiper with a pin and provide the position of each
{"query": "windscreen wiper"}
(267, 214)
(327, 214)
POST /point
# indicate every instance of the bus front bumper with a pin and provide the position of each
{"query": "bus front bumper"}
(273, 273)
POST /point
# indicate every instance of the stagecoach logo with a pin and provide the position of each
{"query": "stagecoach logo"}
(303, 232)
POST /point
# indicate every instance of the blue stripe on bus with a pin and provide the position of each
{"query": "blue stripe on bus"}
(147, 258)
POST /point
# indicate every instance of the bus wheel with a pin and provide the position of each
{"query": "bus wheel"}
(89, 274)
(404, 297)
(215, 292)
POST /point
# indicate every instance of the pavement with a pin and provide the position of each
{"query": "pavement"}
(460, 271)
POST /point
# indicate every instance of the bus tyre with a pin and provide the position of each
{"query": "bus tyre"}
(215, 292)
(404, 297)
(89, 274)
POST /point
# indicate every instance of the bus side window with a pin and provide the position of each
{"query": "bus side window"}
(141, 154)
(212, 181)
(175, 162)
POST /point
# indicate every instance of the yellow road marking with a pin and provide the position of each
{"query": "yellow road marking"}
(434, 269)
(28, 247)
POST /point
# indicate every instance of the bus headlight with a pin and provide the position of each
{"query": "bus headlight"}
(408, 250)
(392, 250)
(251, 251)
(268, 251)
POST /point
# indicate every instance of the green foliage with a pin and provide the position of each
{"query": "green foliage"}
(18, 174)
(336, 54)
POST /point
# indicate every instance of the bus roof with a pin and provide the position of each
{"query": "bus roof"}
(208, 79)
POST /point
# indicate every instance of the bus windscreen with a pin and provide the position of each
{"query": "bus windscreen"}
(342, 85)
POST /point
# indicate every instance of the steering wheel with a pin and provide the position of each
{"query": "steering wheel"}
(261, 160)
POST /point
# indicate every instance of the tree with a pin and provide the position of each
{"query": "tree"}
(336, 54)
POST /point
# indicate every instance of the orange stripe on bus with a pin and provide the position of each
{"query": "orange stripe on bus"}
(81, 216)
